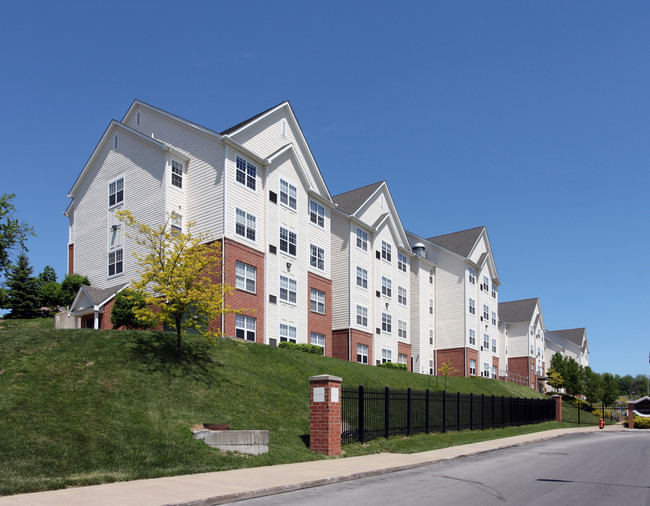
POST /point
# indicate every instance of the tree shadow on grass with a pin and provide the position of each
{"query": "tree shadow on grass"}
(156, 351)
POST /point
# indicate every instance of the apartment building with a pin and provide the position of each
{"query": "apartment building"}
(370, 278)
(465, 305)
(522, 329)
(254, 187)
(570, 343)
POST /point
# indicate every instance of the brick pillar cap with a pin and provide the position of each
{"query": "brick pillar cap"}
(325, 377)
(554, 396)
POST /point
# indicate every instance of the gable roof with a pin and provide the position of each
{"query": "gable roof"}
(517, 310)
(575, 336)
(97, 296)
(252, 119)
(350, 202)
(461, 242)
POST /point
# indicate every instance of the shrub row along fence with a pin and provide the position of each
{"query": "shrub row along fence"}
(373, 413)
(610, 415)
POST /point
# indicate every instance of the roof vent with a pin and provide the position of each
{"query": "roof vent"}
(418, 249)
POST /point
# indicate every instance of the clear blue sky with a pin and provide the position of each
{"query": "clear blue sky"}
(531, 118)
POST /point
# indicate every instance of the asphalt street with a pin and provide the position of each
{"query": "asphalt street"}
(601, 468)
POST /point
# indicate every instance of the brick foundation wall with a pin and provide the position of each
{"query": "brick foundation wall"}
(340, 345)
(456, 358)
(405, 349)
(251, 304)
(321, 323)
(520, 366)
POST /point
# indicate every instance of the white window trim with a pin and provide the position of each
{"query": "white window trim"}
(316, 213)
(317, 300)
(289, 291)
(115, 180)
(318, 250)
(290, 186)
(246, 321)
(246, 227)
(363, 314)
(362, 277)
(246, 277)
(363, 241)
(289, 243)
(183, 165)
(288, 337)
(245, 184)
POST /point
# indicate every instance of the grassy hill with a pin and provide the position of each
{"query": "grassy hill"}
(81, 407)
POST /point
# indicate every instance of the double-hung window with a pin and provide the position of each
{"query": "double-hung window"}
(494, 345)
(288, 288)
(472, 306)
(318, 340)
(494, 318)
(362, 239)
(472, 367)
(386, 323)
(116, 192)
(317, 213)
(386, 355)
(472, 336)
(317, 301)
(245, 277)
(245, 327)
(288, 241)
(486, 313)
(176, 222)
(472, 275)
(362, 316)
(115, 262)
(486, 284)
(287, 333)
(386, 287)
(317, 257)
(401, 295)
(362, 277)
(494, 372)
(362, 353)
(177, 174)
(430, 336)
(401, 261)
(486, 369)
(245, 224)
(288, 194)
(246, 173)
(402, 358)
(401, 329)
(486, 342)
(494, 291)
(386, 249)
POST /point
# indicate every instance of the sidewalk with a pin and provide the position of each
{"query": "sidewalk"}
(227, 486)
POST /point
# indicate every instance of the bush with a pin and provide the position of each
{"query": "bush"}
(599, 413)
(640, 422)
(391, 365)
(124, 313)
(305, 348)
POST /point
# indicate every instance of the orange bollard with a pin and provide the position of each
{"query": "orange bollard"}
(602, 423)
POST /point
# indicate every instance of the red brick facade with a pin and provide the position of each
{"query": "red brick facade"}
(252, 304)
(521, 367)
(325, 414)
(344, 342)
(459, 359)
(405, 349)
(317, 322)
(70, 258)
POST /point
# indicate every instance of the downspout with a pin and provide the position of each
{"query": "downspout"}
(349, 290)
(223, 241)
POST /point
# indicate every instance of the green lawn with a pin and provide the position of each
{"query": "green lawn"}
(82, 407)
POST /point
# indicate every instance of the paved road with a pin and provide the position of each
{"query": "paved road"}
(601, 468)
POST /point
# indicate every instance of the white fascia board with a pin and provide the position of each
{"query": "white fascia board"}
(368, 200)
(292, 151)
(81, 290)
(249, 124)
(323, 200)
(105, 137)
(169, 115)
(67, 209)
(103, 303)
(245, 151)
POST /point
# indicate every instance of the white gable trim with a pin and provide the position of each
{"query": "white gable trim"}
(245, 151)
(114, 124)
(289, 148)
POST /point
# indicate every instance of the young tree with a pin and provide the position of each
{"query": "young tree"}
(128, 303)
(555, 380)
(50, 295)
(573, 377)
(22, 292)
(557, 371)
(70, 286)
(610, 391)
(12, 232)
(179, 277)
(446, 369)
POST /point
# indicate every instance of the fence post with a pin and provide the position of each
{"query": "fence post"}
(503, 411)
(362, 416)
(630, 414)
(387, 413)
(325, 414)
(471, 411)
(408, 411)
(578, 413)
(426, 416)
(444, 411)
(458, 411)
(482, 412)
(493, 408)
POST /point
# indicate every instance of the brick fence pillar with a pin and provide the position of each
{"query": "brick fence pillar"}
(325, 414)
(558, 407)
(630, 414)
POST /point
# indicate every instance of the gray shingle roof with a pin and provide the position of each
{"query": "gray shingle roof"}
(99, 295)
(459, 242)
(517, 310)
(349, 202)
(573, 335)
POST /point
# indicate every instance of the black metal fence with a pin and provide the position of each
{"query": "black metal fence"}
(592, 415)
(373, 413)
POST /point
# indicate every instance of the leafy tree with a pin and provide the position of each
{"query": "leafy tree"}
(593, 386)
(4, 298)
(641, 381)
(626, 384)
(179, 277)
(555, 379)
(22, 291)
(48, 275)
(50, 295)
(573, 377)
(557, 371)
(12, 232)
(128, 304)
(446, 369)
(610, 391)
(70, 286)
